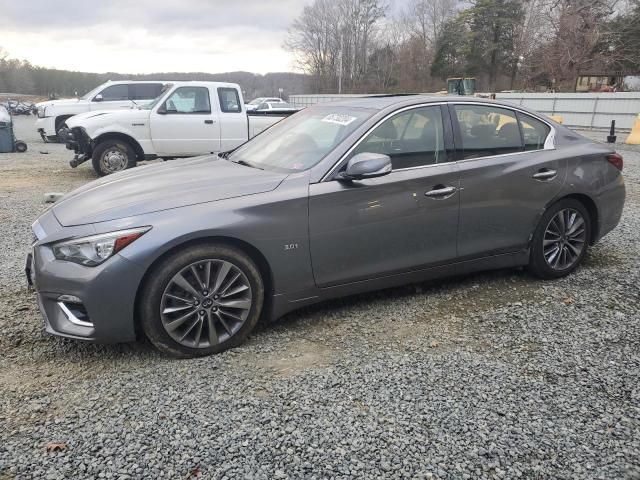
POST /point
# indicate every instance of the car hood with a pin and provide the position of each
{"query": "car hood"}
(62, 101)
(107, 116)
(152, 188)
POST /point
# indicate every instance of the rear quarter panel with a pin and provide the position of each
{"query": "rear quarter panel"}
(589, 173)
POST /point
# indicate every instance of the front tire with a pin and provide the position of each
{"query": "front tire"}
(112, 156)
(561, 239)
(202, 300)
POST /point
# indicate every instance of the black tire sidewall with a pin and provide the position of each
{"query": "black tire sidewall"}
(159, 277)
(538, 264)
(122, 145)
(21, 147)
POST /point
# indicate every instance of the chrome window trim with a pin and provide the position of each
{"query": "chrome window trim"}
(549, 143)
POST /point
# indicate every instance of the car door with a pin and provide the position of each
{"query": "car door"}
(184, 123)
(403, 221)
(112, 97)
(234, 128)
(509, 172)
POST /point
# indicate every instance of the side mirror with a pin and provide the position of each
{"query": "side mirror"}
(367, 165)
(97, 98)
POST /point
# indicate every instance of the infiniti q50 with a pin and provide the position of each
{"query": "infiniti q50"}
(339, 198)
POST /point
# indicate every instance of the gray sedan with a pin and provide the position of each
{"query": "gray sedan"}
(338, 199)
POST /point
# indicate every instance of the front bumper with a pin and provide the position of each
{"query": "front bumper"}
(76, 139)
(86, 303)
(46, 128)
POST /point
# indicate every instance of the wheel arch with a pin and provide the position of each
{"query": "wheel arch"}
(591, 207)
(254, 254)
(59, 120)
(123, 137)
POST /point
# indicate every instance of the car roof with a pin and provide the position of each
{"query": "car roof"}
(118, 82)
(381, 102)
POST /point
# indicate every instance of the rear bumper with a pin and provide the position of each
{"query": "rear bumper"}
(610, 207)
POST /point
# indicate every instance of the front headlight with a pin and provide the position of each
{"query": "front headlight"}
(93, 250)
(41, 112)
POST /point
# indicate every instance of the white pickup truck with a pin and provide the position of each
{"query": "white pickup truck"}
(188, 119)
(116, 95)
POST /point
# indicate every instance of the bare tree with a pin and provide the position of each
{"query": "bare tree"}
(332, 34)
(313, 38)
(578, 29)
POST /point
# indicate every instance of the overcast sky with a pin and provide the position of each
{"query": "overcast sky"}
(141, 36)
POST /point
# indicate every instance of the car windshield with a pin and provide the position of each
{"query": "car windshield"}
(300, 141)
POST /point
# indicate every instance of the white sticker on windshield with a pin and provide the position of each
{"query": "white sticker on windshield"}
(339, 119)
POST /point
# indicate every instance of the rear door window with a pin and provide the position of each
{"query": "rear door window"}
(144, 91)
(229, 100)
(534, 132)
(487, 130)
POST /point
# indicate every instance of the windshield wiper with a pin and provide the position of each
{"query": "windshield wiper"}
(246, 164)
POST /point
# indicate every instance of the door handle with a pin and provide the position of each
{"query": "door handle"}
(440, 191)
(545, 174)
(208, 122)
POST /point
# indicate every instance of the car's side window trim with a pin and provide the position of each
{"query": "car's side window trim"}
(330, 175)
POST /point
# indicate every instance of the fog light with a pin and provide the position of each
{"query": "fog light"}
(69, 299)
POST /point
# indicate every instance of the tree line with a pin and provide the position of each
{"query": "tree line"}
(362, 46)
(21, 77)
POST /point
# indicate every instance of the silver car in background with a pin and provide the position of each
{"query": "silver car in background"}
(338, 199)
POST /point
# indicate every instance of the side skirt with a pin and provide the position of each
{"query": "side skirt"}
(285, 303)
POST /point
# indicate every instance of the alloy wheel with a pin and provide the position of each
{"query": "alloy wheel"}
(206, 303)
(564, 239)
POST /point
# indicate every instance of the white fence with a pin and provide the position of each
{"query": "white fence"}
(579, 110)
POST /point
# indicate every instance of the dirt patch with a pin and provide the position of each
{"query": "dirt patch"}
(298, 356)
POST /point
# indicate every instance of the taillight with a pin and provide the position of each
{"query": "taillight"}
(616, 160)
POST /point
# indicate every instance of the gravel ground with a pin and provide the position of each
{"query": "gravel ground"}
(496, 375)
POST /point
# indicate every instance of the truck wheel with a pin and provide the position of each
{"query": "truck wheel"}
(113, 156)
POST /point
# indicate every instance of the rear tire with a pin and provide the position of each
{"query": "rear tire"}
(112, 156)
(21, 146)
(561, 239)
(201, 300)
